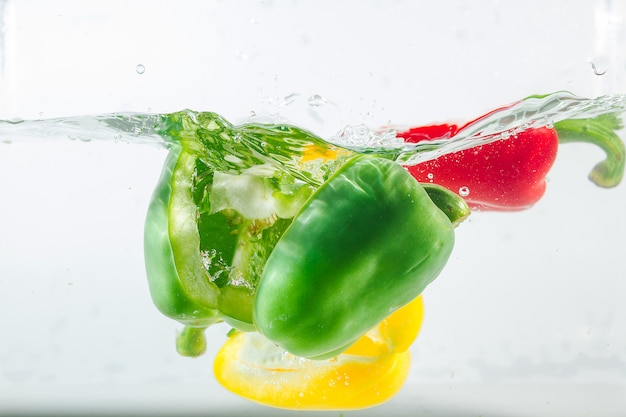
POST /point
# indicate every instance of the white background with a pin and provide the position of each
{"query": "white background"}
(528, 317)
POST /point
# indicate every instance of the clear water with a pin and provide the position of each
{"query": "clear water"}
(529, 307)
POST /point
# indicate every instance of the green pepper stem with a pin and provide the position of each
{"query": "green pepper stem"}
(449, 202)
(191, 342)
(599, 131)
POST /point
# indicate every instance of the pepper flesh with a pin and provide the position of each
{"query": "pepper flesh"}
(172, 296)
(367, 374)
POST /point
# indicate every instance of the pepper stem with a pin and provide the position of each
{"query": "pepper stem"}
(449, 202)
(599, 131)
(191, 342)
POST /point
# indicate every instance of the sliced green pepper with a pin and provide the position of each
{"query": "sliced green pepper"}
(184, 301)
(365, 244)
(202, 250)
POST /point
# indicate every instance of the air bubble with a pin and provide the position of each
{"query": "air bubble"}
(140, 68)
(430, 176)
(464, 191)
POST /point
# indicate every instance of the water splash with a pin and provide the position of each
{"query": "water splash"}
(533, 112)
(141, 128)
(155, 129)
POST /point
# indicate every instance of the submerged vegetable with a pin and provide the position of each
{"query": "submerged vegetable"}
(366, 243)
(367, 374)
(317, 255)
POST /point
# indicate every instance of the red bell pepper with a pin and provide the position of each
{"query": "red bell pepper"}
(509, 174)
(501, 175)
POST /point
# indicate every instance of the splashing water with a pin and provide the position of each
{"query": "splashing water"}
(164, 129)
(533, 112)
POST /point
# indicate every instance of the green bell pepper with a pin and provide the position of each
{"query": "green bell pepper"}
(237, 232)
(365, 244)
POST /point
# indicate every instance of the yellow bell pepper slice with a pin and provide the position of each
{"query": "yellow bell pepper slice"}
(312, 152)
(394, 334)
(369, 373)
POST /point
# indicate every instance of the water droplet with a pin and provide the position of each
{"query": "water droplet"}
(464, 191)
(252, 113)
(430, 176)
(137, 130)
(505, 135)
(140, 68)
(316, 100)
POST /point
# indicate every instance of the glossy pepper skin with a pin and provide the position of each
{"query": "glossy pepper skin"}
(366, 243)
(506, 175)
